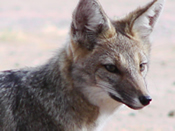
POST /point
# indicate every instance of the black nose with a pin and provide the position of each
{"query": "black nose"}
(145, 100)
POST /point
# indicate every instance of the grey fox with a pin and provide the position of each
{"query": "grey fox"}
(102, 66)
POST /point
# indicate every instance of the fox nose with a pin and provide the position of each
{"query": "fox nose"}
(145, 100)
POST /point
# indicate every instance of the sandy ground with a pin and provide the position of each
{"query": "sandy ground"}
(31, 31)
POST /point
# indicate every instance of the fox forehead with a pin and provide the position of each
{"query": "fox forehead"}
(121, 48)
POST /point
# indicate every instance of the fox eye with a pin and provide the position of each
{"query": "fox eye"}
(142, 67)
(111, 68)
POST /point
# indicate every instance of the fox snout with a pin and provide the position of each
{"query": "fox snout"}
(144, 100)
(135, 103)
(132, 93)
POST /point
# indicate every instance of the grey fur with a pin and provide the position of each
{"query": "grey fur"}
(38, 99)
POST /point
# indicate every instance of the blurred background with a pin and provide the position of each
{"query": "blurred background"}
(31, 31)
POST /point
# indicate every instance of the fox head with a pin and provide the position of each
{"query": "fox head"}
(111, 57)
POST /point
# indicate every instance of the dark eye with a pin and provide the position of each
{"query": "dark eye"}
(142, 67)
(111, 68)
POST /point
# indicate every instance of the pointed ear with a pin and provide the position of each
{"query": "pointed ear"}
(89, 21)
(143, 20)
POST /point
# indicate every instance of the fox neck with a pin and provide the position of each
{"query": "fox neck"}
(94, 95)
(97, 106)
(59, 76)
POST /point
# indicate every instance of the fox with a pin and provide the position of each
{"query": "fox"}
(102, 66)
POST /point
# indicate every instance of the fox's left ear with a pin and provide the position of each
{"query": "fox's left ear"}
(142, 21)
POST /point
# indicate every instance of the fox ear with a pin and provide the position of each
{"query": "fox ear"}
(89, 21)
(144, 19)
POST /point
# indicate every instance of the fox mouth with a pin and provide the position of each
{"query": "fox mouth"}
(129, 105)
(115, 98)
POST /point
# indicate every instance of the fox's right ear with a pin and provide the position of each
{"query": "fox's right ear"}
(142, 21)
(89, 22)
